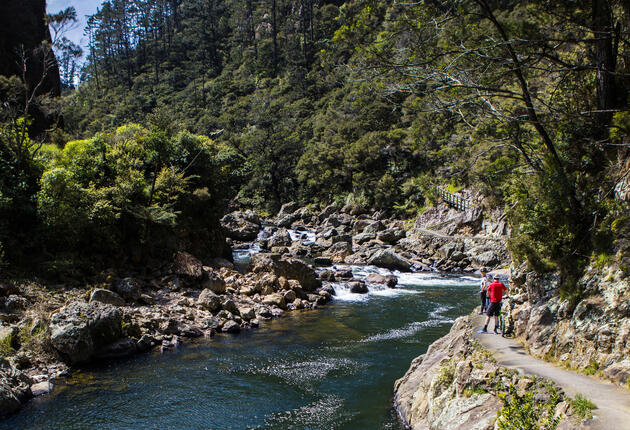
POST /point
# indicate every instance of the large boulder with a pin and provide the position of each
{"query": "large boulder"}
(389, 259)
(241, 225)
(339, 251)
(290, 268)
(389, 280)
(488, 258)
(280, 238)
(358, 287)
(287, 209)
(78, 329)
(106, 296)
(364, 237)
(275, 299)
(209, 300)
(188, 266)
(213, 281)
(14, 388)
(391, 236)
(449, 248)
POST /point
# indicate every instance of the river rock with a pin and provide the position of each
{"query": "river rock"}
(391, 236)
(357, 287)
(229, 305)
(106, 296)
(231, 327)
(449, 248)
(263, 312)
(129, 288)
(188, 266)
(275, 299)
(290, 268)
(389, 280)
(344, 274)
(287, 209)
(209, 300)
(389, 259)
(364, 237)
(79, 328)
(14, 388)
(247, 313)
(41, 388)
(290, 296)
(145, 343)
(241, 225)
(280, 238)
(339, 251)
(488, 258)
(213, 281)
(322, 261)
(327, 275)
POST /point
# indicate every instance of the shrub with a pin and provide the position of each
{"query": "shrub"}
(582, 406)
(525, 413)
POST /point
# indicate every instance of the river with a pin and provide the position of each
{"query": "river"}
(332, 368)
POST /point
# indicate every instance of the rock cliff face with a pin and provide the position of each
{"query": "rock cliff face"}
(458, 385)
(593, 337)
(22, 24)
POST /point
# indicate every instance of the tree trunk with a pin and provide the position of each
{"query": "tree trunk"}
(605, 61)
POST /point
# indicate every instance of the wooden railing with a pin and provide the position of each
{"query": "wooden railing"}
(453, 200)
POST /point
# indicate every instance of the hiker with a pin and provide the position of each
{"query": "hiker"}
(482, 290)
(495, 291)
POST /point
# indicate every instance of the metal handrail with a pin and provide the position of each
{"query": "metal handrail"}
(454, 200)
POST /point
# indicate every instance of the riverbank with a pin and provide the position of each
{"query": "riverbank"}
(49, 329)
(330, 368)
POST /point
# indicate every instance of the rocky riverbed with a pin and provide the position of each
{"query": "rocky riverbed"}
(49, 329)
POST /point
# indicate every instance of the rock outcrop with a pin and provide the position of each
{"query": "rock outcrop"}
(457, 385)
(593, 336)
(241, 225)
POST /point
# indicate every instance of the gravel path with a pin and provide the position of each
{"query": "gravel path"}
(613, 403)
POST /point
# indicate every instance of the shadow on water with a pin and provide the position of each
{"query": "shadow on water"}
(333, 368)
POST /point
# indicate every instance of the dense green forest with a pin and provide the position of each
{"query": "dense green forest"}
(361, 103)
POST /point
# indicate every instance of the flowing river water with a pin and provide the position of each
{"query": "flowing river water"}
(332, 368)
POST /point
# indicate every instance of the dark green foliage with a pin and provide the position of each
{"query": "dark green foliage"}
(364, 103)
(146, 191)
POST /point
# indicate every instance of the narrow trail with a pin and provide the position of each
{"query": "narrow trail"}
(613, 403)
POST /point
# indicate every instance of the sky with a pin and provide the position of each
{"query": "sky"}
(83, 7)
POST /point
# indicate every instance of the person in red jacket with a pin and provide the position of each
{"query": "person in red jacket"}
(495, 291)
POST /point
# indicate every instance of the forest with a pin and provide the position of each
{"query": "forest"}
(183, 109)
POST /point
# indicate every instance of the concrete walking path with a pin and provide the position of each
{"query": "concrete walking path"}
(613, 403)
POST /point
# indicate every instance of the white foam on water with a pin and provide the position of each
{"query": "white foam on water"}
(404, 280)
(304, 374)
(343, 294)
(437, 313)
(434, 279)
(305, 236)
(407, 331)
(326, 413)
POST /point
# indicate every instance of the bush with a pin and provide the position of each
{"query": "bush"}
(134, 189)
(525, 413)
